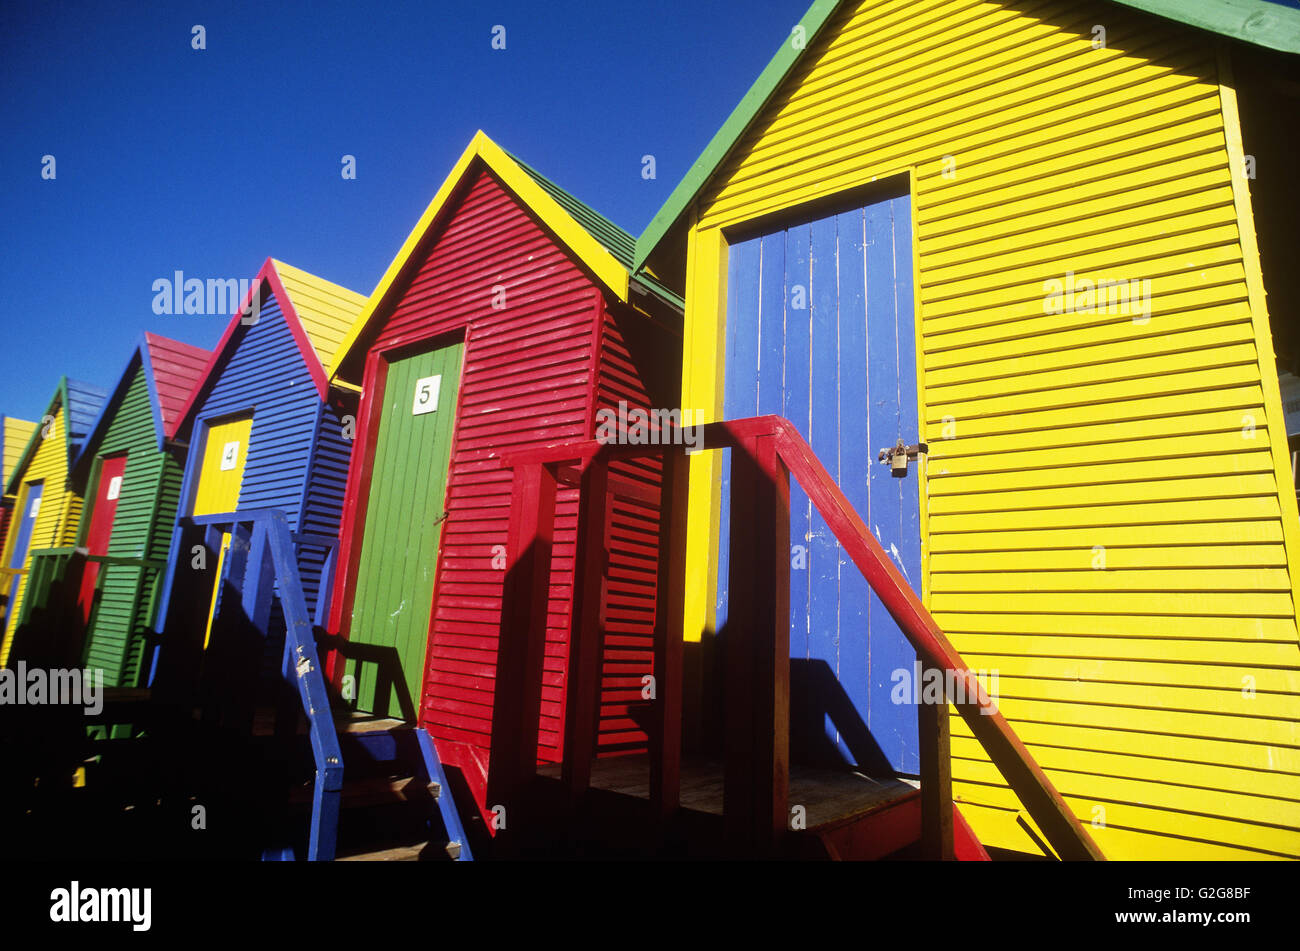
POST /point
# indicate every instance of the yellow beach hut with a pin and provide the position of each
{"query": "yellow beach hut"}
(1049, 242)
(47, 512)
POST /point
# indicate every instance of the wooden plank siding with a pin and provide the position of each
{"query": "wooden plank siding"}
(46, 460)
(14, 436)
(115, 641)
(505, 262)
(1062, 439)
(296, 454)
(525, 382)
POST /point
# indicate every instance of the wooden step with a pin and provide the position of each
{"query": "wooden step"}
(376, 791)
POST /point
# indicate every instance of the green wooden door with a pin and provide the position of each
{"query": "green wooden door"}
(399, 549)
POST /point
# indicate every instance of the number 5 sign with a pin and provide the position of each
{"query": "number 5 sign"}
(426, 395)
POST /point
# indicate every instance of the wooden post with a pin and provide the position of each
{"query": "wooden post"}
(756, 780)
(666, 737)
(936, 777)
(587, 629)
(517, 698)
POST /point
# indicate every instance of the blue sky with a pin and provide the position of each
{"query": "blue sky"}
(169, 158)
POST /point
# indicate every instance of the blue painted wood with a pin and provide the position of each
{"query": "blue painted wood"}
(446, 803)
(822, 432)
(848, 383)
(741, 395)
(297, 457)
(857, 458)
(23, 541)
(795, 301)
(27, 521)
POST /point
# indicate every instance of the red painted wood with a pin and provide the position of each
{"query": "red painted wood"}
(966, 845)
(176, 368)
(533, 374)
(757, 645)
(1063, 830)
(352, 526)
(100, 530)
(589, 620)
(876, 834)
(666, 750)
(517, 700)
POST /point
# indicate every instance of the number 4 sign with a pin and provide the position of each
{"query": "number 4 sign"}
(426, 395)
(230, 456)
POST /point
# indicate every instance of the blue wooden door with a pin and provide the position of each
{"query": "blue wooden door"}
(821, 330)
(31, 502)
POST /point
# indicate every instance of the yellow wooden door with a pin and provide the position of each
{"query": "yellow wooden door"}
(225, 451)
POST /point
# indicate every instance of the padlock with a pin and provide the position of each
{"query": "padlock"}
(898, 463)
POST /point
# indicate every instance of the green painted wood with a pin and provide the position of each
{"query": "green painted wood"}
(141, 529)
(399, 550)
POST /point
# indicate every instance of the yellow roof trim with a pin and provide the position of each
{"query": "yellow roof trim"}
(599, 261)
(17, 433)
(326, 310)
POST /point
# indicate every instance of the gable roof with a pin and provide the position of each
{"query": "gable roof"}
(14, 435)
(80, 402)
(1261, 22)
(171, 370)
(602, 247)
(316, 311)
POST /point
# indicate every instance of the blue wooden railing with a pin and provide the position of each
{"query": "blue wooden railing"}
(263, 557)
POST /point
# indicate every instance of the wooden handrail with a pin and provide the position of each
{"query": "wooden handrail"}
(775, 448)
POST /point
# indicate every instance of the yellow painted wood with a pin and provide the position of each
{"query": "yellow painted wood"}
(603, 265)
(1018, 347)
(326, 310)
(1266, 784)
(1219, 676)
(1259, 311)
(218, 489)
(1182, 756)
(1115, 558)
(1157, 794)
(1082, 213)
(1055, 434)
(1164, 480)
(17, 433)
(1159, 819)
(1110, 579)
(1062, 647)
(1061, 621)
(1006, 317)
(1192, 451)
(1222, 371)
(702, 391)
(58, 517)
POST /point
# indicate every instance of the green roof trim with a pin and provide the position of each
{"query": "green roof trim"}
(769, 80)
(1260, 22)
(619, 242)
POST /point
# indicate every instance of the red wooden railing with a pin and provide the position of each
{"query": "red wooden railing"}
(767, 450)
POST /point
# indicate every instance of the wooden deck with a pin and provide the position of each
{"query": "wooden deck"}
(846, 813)
(827, 796)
